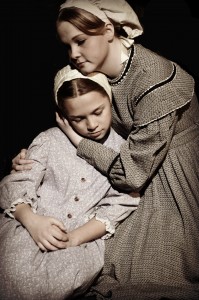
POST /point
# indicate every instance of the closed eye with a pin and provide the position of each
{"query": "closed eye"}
(80, 42)
(76, 120)
(98, 113)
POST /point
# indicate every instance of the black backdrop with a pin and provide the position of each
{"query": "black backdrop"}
(31, 54)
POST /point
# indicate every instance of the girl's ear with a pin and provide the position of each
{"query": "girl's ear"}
(109, 31)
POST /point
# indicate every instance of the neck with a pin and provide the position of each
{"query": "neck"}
(112, 66)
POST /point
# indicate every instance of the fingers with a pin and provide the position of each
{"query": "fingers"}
(41, 247)
(59, 224)
(60, 235)
(46, 246)
(58, 118)
(23, 153)
(56, 237)
(66, 122)
(61, 120)
(49, 233)
(52, 244)
(20, 163)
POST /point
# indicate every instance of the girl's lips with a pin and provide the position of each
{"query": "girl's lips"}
(95, 134)
(80, 64)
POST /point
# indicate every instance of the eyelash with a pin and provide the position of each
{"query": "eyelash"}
(79, 43)
(98, 113)
(76, 121)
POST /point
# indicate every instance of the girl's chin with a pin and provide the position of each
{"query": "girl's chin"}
(101, 138)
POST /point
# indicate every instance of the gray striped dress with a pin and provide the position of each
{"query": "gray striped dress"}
(155, 252)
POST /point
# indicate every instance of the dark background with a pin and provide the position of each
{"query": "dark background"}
(31, 54)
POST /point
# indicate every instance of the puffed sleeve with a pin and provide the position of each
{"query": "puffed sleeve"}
(139, 155)
(113, 209)
(21, 187)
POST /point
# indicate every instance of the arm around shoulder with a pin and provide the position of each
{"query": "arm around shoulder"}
(20, 162)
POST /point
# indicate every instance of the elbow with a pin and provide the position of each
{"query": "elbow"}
(129, 185)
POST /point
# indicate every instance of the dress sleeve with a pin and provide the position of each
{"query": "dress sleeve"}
(21, 187)
(113, 209)
(139, 157)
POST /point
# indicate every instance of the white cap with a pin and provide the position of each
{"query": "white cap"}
(118, 10)
(67, 74)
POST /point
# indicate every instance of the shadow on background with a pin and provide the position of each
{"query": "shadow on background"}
(31, 54)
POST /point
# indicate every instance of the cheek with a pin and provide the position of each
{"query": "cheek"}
(78, 127)
(109, 116)
(98, 47)
(68, 53)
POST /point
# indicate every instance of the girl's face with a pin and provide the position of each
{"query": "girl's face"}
(87, 53)
(89, 114)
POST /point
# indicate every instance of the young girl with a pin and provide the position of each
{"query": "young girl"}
(155, 109)
(62, 203)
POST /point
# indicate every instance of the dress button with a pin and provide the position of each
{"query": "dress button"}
(83, 179)
(76, 198)
(69, 216)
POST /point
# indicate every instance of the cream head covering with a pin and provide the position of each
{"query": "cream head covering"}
(67, 74)
(118, 10)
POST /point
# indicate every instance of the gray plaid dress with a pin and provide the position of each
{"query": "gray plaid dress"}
(155, 252)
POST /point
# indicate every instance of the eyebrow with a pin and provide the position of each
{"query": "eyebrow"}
(78, 35)
(80, 116)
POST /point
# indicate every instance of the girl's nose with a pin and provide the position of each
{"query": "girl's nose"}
(91, 124)
(74, 53)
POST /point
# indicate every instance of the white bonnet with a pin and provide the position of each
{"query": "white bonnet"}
(67, 74)
(118, 10)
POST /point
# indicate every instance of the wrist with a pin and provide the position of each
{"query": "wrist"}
(74, 238)
(23, 214)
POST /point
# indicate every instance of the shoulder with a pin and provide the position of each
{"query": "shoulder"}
(165, 86)
(53, 133)
(152, 66)
(163, 97)
(52, 136)
(156, 67)
(51, 142)
(144, 69)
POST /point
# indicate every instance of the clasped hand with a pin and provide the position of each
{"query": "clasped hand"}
(49, 233)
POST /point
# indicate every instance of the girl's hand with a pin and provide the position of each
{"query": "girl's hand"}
(20, 163)
(47, 232)
(68, 130)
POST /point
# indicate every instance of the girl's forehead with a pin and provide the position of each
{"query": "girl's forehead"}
(87, 103)
(68, 32)
(67, 27)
